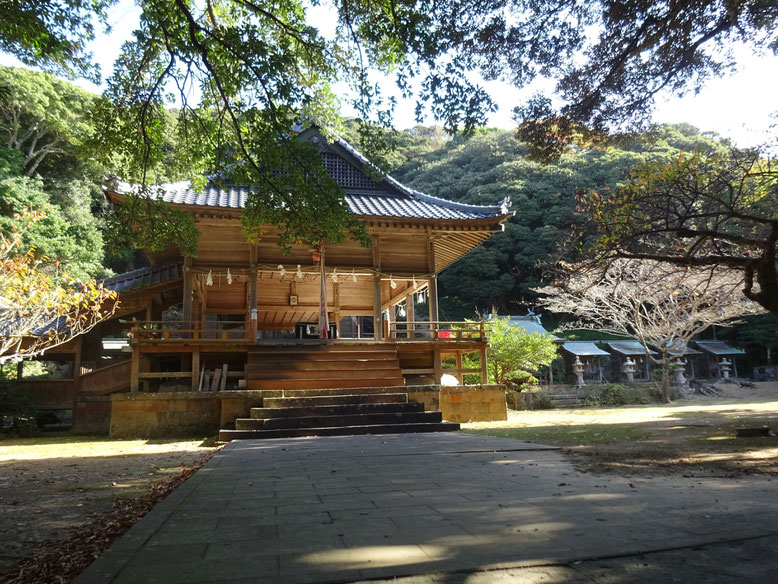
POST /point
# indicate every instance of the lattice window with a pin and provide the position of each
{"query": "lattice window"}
(345, 174)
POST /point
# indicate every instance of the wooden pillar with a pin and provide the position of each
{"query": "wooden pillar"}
(390, 319)
(77, 360)
(336, 308)
(253, 303)
(410, 314)
(187, 295)
(135, 370)
(19, 370)
(433, 304)
(437, 365)
(458, 365)
(378, 326)
(195, 368)
(432, 285)
(484, 371)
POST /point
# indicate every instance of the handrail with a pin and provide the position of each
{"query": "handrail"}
(439, 330)
(188, 331)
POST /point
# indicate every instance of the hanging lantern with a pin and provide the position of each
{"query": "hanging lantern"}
(353, 275)
(414, 282)
(282, 270)
(299, 272)
(401, 310)
(209, 278)
(392, 283)
(335, 274)
(229, 276)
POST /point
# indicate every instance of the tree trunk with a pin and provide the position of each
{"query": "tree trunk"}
(666, 380)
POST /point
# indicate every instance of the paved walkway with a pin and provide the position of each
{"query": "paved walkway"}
(441, 508)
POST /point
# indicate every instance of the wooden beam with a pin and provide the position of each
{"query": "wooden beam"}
(187, 296)
(400, 296)
(484, 372)
(377, 311)
(135, 370)
(410, 313)
(195, 368)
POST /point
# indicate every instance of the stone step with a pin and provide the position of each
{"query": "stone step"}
(227, 435)
(334, 400)
(338, 420)
(298, 412)
(333, 382)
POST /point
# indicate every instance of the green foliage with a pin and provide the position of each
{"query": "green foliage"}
(492, 165)
(68, 235)
(53, 35)
(612, 394)
(701, 209)
(49, 121)
(513, 352)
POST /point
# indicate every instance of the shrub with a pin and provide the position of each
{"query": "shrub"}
(612, 394)
(17, 410)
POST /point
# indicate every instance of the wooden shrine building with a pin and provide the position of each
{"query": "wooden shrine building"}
(243, 316)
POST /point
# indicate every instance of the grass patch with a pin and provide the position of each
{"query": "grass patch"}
(570, 435)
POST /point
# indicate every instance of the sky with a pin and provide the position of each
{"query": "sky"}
(740, 107)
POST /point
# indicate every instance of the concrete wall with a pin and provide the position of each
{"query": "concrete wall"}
(473, 403)
(92, 415)
(151, 415)
(462, 403)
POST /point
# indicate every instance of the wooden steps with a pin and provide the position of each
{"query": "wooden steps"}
(323, 366)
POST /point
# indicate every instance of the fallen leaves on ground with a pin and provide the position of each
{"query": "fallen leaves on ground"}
(66, 559)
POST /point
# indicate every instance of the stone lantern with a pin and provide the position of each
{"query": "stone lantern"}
(629, 368)
(725, 366)
(578, 369)
(679, 372)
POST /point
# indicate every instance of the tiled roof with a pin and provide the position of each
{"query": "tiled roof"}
(584, 349)
(364, 196)
(718, 348)
(372, 203)
(144, 277)
(632, 348)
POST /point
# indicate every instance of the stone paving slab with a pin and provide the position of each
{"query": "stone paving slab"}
(435, 508)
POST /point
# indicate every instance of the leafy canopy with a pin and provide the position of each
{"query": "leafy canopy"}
(244, 73)
(718, 209)
(513, 352)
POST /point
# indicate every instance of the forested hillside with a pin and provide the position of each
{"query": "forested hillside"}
(492, 165)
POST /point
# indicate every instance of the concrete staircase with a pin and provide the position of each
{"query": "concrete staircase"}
(336, 412)
(312, 365)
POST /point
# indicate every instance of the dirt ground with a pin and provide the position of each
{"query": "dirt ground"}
(693, 436)
(52, 486)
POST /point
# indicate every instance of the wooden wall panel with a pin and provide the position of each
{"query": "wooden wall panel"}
(404, 253)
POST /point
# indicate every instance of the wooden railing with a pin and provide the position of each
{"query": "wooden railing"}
(105, 380)
(188, 332)
(438, 331)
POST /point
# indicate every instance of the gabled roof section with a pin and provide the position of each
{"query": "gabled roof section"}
(368, 198)
(144, 277)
